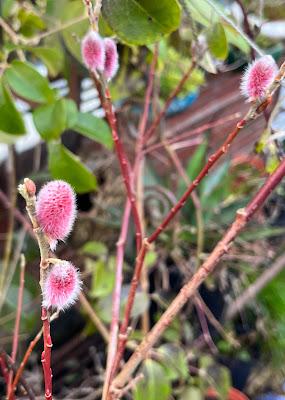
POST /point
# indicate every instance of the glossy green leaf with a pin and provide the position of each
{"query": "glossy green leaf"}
(142, 21)
(217, 42)
(50, 120)
(29, 83)
(155, 384)
(11, 121)
(94, 128)
(212, 180)
(51, 57)
(67, 166)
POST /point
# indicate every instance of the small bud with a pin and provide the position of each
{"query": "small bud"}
(30, 186)
(61, 286)
(258, 77)
(93, 51)
(111, 58)
(56, 210)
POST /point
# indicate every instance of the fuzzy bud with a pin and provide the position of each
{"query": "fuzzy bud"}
(93, 51)
(258, 77)
(61, 286)
(30, 187)
(56, 210)
(111, 58)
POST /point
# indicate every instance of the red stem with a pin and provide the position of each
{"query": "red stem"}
(124, 164)
(17, 326)
(4, 369)
(112, 348)
(46, 354)
(211, 161)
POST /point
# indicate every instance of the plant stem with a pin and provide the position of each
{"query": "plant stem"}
(93, 316)
(27, 356)
(43, 244)
(112, 348)
(106, 101)
(188, 290)
(10, 394)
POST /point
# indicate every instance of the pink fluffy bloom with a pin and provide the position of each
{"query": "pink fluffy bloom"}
(258, 77)
(111, 58)
(56, 210)
(93, 51)
(61, 286)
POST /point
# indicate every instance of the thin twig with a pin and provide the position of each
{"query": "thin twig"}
(188, 290)
(17, 321)
(112, 348)
(93, 316)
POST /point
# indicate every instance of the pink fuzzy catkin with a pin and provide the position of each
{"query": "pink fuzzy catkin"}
(56, 210)
(61, 286)
(93, 51)
(111, 58)
(258, 77)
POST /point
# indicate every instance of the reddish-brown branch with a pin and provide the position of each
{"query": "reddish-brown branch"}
(211, 161)
(112, 348)
(17, 324)
(136, 171)
(24, 362)
(188, 290)
(46, 354)
(106, 102)
(4, 369)
(134, 284)
(173, 94)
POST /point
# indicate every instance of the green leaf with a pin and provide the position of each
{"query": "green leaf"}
(155, 384)
(213, 180)
(29, 83)
(50, 120)
(196, 161)
(103, 278)
(94, 128)
(174, 361)
(72, 35)
(191, 393)
(217, 42)
(94, 248)
(51, 57)
(11, 121)
(142, 21)
(65, 165)
(71, 113)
